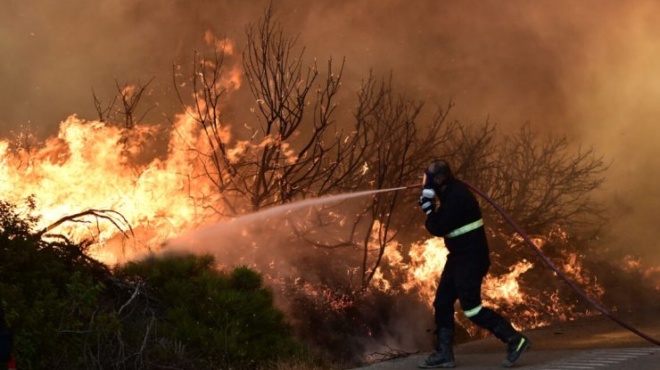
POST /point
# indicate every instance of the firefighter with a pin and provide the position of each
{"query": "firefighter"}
(458, 220)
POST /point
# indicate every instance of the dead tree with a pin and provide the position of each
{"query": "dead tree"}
(209, 88)
(295, 150)
(104, 110)
(546, 181)
(130, 97)
(393, 144)
(302, 152)
(389, 121)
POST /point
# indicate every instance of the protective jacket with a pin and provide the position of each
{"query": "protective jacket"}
(457, 220)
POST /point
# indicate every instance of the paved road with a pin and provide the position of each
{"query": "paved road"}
(591, 343)
(642, 358)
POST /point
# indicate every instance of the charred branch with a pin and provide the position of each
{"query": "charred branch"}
(114, 217)
(391, 354)
(130, 98)
(104, 112)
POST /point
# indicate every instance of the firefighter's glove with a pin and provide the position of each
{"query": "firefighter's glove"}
(427, 200)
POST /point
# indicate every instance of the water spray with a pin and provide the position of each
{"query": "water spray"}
(551, 265)
(211, 232)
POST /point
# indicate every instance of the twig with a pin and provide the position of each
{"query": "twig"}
(135, 294)
(113, 217)
(392, 354)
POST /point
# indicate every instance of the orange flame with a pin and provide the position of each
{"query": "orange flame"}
(427, 260)
(88, 166)
(506, 288)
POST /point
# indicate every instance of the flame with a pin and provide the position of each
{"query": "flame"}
(225, 47)
(88, 166)
(418, 272)
(427, 260)
(505, 288)
(161, 192)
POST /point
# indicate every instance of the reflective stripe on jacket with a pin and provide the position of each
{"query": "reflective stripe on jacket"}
(466, 228)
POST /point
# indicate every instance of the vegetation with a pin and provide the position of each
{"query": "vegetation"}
(70, 312)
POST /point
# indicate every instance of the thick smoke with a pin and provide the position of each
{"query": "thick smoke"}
(586, 69)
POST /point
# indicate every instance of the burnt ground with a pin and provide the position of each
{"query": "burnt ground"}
(591, 342)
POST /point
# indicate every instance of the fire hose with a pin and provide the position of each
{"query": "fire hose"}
(553, 267)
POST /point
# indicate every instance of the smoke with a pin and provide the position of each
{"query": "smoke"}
(507, 60)
(615, 110)
(55, 53)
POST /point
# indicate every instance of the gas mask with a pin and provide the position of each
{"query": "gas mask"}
(439, 168)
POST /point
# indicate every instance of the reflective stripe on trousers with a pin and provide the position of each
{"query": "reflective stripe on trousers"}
(472, 312)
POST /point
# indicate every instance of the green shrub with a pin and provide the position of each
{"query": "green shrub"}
(47, 300)
(216, 318)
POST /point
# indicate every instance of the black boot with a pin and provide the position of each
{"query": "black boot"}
(443, 357)
(516, 342)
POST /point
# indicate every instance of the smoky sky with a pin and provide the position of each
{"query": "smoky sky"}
(504, 60)
(587, 69)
